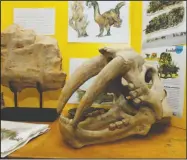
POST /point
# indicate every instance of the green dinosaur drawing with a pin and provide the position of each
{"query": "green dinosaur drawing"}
(167, 68)
(107, 19)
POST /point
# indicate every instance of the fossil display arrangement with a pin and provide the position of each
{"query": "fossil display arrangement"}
(140, 99)
(29, 60)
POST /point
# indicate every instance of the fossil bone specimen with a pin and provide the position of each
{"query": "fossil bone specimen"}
(140, 99)
(28, 59)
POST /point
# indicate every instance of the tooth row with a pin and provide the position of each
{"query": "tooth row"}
(118, 124)
(96, 113)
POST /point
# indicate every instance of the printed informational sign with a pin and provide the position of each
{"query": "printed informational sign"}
(41, 20)
(171, 65)
(164, 23)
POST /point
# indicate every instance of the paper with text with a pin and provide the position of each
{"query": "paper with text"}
(164, 23)
(41, 20)
(171, 64)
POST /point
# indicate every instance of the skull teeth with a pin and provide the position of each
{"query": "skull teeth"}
(96, 113)
(125, 122)
(118, 125)
(112, 127)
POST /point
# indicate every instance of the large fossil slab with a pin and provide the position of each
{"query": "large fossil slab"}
(28, 59)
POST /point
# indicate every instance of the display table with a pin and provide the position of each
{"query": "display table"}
(169, 142)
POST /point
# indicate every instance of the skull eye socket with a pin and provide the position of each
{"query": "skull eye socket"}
(148, 75)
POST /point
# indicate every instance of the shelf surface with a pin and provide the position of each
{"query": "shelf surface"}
(168, 142)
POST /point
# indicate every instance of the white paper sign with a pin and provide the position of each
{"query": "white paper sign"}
(164, 23)
(15, 135)
(41, 20)
(171, 64)
(98, 21)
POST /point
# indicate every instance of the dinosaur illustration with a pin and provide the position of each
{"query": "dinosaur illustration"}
(108, 18)
(165, 70)
(78, 21)
(153, 55)
(165, 58)
(166, 66)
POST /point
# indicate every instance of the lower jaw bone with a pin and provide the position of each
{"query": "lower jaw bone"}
(130, 125)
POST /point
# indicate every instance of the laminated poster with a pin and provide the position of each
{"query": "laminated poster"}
(164, 23)
(171, 65)
(98, 21)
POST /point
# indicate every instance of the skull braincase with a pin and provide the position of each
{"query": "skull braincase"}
(135, 109)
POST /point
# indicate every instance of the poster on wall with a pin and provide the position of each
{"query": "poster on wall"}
(103, 98)
(98, 21)
(41, 20)
(164, 23)
(171, 65)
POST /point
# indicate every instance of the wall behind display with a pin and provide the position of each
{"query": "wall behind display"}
(29, 97)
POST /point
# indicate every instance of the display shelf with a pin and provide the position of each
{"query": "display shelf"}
(165, 142)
